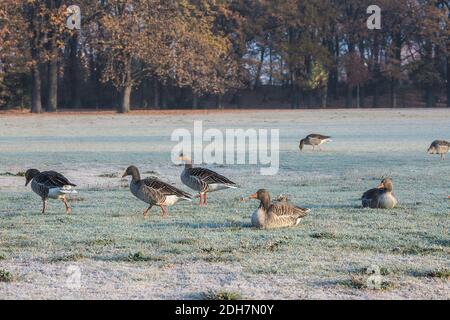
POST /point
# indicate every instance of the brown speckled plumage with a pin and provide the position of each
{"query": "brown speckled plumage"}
(154, 191)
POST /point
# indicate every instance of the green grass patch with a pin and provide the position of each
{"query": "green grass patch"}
(221, 295)
(417, 250)
(6, 276)
(100, 242)
(69, 257)
(141, 257)
(109, 175)
(440, 273)
(323, 235)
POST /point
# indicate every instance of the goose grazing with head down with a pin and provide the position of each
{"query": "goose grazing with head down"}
(314, 139)
(270, 215)
(50, 184)
(203, 180)
(380, 197)
(154, 192)
(440, 147)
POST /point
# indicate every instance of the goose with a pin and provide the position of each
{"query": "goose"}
(279, 214)
(50, 184)
(203, 180)
(380, 197)
(440, 147)
(314, 139)
(154, 191)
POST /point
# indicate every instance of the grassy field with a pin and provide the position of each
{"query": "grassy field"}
(199, 252)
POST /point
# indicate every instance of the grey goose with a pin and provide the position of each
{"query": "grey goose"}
(381, 197)
(203, 180)
(314, 139)
(154, 191)
(279, 214)
(50, 184)
(440, 147)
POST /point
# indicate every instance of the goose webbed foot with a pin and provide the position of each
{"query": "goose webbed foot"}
(146, 211)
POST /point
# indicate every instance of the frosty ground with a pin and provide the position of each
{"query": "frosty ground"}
(213, 249)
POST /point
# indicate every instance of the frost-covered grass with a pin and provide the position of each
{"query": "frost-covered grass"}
(212, 249)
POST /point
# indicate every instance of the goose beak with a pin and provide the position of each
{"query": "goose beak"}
(253, 196)
(124, 174)
(380, 186)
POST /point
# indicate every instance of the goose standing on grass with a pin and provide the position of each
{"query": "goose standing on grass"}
(154, 192)
(270, 215)
(50, 184)
(203, 180)
(314, 140)
(380, 197)
(440, 147)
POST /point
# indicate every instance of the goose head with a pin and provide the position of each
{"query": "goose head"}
(184, 158)
(386, 184)
(263, 196)
(133, 172)
(30, 174)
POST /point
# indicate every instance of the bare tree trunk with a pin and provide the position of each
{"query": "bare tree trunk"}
(258, 71)
(393, 93)
(75, 71)
(219, 102)
(52, 88)
(36, 101)
(156, 94)
(126, 90)
(194, 100)
(376, 72)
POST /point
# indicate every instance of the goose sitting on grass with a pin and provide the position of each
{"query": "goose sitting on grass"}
(154, 192)
(50, 184)
(314, 139)
(380, 197)
(270, 215)
(440, 147)
(203, 180)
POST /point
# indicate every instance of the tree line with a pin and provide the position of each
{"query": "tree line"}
(201, 53)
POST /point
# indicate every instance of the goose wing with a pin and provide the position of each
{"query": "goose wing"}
(52, 179)
(286, 209)
(318, 136)
(164, 188)
(209, 177)
(371, 194)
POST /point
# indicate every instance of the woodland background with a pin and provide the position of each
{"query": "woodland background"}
(150, 54)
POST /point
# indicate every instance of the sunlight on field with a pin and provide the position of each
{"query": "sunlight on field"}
(196, 249)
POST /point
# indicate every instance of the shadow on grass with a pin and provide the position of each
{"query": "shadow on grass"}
(234, 226)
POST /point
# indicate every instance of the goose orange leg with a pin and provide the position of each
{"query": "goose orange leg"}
(68, 209)
(201, 196)
(205, 199)
(164, 210)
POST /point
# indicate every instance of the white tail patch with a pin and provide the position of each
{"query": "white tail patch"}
(220, 186)
(56, 193)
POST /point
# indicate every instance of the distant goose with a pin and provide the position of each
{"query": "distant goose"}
(278, 214)
(440, 147)
(314, 140)
(154, 192)
(380, 197)
(203, 180)
(50, 184)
